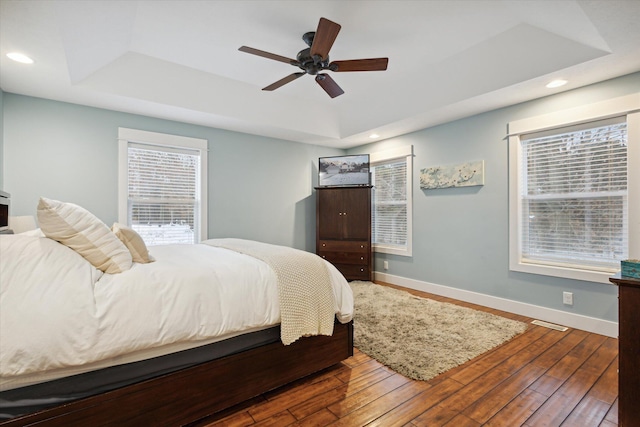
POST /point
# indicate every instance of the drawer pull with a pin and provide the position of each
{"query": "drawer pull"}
(362, 258)
(362, 269)
(324, 244)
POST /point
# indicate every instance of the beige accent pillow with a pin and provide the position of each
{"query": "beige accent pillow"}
(79, 229)
(134, 242)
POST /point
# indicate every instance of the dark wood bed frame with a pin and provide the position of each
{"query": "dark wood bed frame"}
(193, 393)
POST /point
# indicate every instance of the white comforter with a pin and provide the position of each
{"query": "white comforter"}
(58, 314)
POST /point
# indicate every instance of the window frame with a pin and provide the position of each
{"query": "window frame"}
(628, 106)
(386, 156)
(140, 137)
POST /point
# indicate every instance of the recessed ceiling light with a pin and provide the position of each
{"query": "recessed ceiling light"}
(556, 83)
(374, 136)
(19, 57)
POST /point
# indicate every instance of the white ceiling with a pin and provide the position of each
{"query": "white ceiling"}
(179, 60)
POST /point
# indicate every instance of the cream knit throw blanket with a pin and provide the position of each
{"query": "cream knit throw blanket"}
(304, 287)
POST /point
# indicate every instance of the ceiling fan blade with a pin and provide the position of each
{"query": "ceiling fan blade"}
(282, 82)
(329, 85)
(268, 55)
(325, 36)
(372, 64)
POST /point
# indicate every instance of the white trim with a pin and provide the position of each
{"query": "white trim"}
(146, 137)
(126, 135)
(633, 183)
(123, 180)
(515, 229)
(601, 110)
(576, 321)
(394, 153)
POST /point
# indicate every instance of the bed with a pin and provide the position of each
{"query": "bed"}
(201, 328)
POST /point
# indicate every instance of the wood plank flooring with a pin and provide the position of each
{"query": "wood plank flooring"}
(542, 377)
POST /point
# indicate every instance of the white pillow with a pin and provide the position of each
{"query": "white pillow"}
(133, 242)
(79, 229)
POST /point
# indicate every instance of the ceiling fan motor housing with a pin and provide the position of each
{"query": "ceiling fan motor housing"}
(309, 64)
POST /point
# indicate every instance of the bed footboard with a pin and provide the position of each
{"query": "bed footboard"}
(193, 393)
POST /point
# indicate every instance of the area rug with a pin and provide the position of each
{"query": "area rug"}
(421, 338)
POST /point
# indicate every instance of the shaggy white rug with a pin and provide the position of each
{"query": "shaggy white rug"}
(421, 338)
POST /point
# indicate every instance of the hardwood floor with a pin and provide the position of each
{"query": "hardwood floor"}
(542, 377)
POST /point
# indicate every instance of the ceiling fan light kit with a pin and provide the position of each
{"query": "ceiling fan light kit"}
(315, 59)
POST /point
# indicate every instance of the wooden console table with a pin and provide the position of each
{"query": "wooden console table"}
(628, 350)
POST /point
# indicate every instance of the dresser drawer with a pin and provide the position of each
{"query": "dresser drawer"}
(354, 272)
(343, 246)
(345, 257)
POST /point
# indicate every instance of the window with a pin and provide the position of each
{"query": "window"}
(571, 197)
(162, 187)
(391, 174)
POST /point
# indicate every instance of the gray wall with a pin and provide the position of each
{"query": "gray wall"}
(259, 188)
(460, 235)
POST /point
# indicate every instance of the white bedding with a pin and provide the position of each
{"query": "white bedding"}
(59, 315)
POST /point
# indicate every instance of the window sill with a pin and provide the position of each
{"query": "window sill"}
(392, 250)
(597, 276)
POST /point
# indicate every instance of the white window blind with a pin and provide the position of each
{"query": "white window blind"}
(390, 225)
(574, 196)
(163, 198)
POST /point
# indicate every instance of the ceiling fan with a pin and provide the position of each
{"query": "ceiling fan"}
(315, 59)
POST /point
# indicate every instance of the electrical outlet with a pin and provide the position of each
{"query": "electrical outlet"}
(567, 298)
(385, 265)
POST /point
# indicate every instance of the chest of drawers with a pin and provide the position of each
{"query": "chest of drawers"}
(343, 230)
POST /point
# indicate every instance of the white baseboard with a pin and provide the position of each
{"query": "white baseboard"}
(576, 321)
